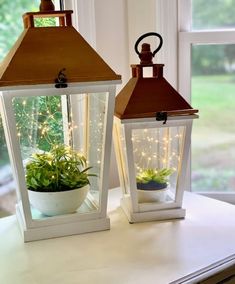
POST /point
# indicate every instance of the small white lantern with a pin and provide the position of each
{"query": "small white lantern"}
(56, 91)
(152, 139)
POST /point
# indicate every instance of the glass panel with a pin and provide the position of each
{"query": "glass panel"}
(61, 144)
(157, 158)
(120, 150)
(213, 14)
(213, 139)
(97, 108)
(39, 123)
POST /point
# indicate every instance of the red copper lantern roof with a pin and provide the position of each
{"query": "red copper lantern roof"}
(146, 97)
(41, 53)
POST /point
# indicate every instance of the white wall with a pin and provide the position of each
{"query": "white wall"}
(141, 19)
(112, 45)
(111, 35)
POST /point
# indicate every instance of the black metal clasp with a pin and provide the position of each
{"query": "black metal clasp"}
(60, 81)
(161, 116)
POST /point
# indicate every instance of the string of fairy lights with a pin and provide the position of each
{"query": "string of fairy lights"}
(43, 122)
(97, 110)
(156, 148)
(38, 123)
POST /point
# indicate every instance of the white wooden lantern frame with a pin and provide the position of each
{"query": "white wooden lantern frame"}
(140, 212)
(76, 223)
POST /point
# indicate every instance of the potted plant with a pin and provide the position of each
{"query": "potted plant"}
(57, 180)
(152, 184)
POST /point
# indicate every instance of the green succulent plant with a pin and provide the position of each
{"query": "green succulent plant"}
(156, 175)
(60, 169)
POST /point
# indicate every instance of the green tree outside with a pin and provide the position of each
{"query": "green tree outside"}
(212, 14)
(11, 23)
(11, 26)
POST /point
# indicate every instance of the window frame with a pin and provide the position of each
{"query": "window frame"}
(186, 39)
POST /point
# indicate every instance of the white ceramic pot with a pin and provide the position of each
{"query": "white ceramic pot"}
(58, 203)
(147, 196)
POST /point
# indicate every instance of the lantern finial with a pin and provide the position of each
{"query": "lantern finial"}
(46, 5)
(146, 55)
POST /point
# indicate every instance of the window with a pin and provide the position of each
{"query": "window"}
(11, 25)
(212, 14)
(207, 72)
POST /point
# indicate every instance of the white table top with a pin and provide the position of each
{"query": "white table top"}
(152, 252)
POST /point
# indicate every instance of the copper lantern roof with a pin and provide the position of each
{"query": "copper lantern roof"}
(41, 52)
(144, 97)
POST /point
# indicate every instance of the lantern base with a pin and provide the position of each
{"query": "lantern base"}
(157, 215)
(61, 230)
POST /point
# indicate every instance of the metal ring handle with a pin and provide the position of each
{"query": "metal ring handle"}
(147, 35)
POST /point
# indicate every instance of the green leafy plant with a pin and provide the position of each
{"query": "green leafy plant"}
(154, 175)
(60, 169)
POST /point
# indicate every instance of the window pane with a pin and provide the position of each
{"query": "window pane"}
(213, 138)
(11, 21)
(97, 103)
(213, 14)
(38, 122)
(11, 26)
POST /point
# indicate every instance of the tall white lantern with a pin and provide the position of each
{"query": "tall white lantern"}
(57, 94)
(152, 139)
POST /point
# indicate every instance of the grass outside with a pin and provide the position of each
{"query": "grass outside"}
(213, 138)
